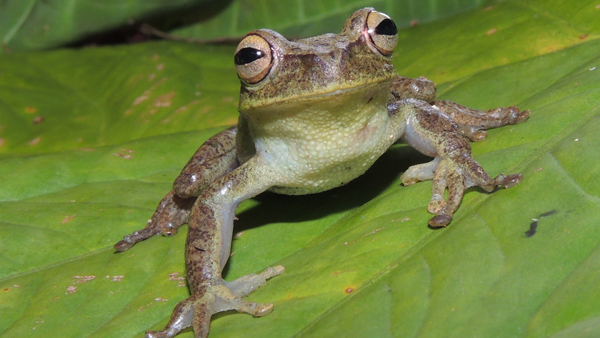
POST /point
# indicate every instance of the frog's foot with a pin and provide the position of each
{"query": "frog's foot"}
(472, 122)
(171, 213)
(419, 172)
(456, 174)
(210, 298)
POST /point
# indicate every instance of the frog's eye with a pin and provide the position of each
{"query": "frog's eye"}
(253, 58)
(383, 32)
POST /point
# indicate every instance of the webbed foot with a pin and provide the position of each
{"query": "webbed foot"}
(456, 174)
(419, 172)
(212, 297)
(171, 213)
(473, 122)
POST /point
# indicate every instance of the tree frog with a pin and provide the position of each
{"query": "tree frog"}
(315, 113)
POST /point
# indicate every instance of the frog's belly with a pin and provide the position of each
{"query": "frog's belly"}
(311, 167)
(330, 177)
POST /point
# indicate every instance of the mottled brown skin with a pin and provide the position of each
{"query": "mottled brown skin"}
(215, 159)
(314, 114)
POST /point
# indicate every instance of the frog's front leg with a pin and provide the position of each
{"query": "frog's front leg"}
(472, 122)
(207, 250)
(434, 134)
(408, 88)
(213, 160)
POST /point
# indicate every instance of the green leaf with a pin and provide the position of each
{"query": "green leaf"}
(37, 24)
(99, 96)
(34, 24)
(120, 122)
(307, 18)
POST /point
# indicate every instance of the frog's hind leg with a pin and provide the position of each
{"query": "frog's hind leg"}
(472, 122)
(208, 248)
(213, 160)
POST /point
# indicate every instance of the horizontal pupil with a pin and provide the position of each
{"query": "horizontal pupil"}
(247, 55)
(386, 27)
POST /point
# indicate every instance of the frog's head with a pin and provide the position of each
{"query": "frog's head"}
(274, 70)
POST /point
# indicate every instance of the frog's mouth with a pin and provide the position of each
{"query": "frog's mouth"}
(365, 92)
(340, 91)
(358, 94)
